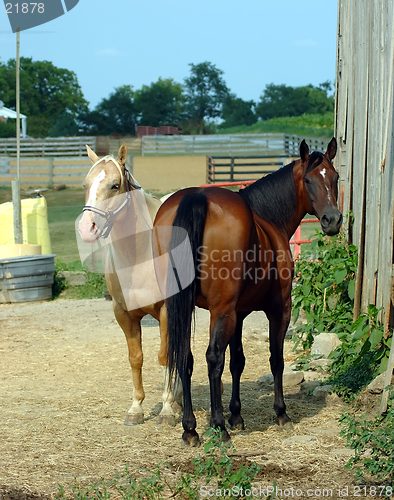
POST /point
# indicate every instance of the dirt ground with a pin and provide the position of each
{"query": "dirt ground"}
(65, 388)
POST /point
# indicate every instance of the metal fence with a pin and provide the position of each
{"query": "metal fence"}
(228, 145)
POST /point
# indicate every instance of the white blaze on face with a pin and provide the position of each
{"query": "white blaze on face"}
(93, 190)
(323, 173)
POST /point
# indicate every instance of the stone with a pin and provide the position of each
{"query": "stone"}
(74, 278)
(325, 343)
(292, 378)
(300, 440)
(322, 391)
(310, 385)
(267, 379)
(342, 452)
(377, 385)
(324, 431)
(309, 376)
(322, 363)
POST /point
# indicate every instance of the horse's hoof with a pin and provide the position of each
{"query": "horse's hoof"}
(177, 407)
(134, 419)
(236, 423)
(225, 436)
(284, 422)
(190, 438)
(166, 420)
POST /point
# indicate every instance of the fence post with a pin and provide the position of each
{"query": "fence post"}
(16, 201)
(297, 246)
(50, 184)
(232, 169)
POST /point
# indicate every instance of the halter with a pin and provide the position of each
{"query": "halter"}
(108, 214)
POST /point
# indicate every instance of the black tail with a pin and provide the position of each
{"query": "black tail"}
(191, 216)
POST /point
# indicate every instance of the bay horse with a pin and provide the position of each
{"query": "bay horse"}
(242, 263)
(119, 210)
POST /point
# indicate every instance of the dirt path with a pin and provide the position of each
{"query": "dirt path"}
(65, 387)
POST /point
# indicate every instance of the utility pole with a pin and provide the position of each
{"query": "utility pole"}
(16, 190)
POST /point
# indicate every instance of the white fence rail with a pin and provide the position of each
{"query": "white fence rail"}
(52, 146)
(229, 145)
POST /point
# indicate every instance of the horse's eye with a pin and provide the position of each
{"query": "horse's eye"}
(307, 181)
(115, 186)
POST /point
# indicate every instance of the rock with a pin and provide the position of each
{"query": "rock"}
(290, 332)
(322, 391)
(310, 385)
(342, 452)
(324, 431)
(309, 376)
(377, 385)
(300, 440)
(292, 378)
(267, 379)
(74, 278)
(325, 343)
(322, 363)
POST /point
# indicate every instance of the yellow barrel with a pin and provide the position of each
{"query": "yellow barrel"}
(34, 224)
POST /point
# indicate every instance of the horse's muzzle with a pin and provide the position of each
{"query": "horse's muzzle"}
(331, 222)
(88, 229)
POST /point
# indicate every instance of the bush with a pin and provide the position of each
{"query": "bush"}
(324, 289)
(373, 443)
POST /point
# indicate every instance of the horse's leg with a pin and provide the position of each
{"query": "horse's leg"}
(223, 321)
(167, 414)
(189, 436)
(131, 327)
(279, 318)
(237, 364)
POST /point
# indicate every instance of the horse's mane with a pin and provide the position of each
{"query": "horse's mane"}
(274, 197)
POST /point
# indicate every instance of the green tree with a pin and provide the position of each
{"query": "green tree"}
(46, 92)
(116, 114)
(63, 125)
(236, 112)
(160, 103)
(284, 100)
(206, 92)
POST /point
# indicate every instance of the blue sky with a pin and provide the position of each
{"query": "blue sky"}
(255, 42)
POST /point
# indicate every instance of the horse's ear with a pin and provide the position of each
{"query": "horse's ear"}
(122, 154)
(332, 149)
(92, 155)
(304, 150)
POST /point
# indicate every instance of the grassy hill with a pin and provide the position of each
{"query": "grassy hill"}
(320, 126)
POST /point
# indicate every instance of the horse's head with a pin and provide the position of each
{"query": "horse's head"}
(320, 185)
(106, 187)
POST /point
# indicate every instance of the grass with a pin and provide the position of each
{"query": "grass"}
(319, 126)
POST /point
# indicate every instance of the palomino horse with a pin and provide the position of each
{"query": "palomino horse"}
(242, 262)
(118, 208)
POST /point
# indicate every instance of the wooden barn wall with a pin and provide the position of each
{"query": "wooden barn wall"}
(364, 129)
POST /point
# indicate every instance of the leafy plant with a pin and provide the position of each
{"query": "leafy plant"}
(216, 464)
(373, 443)
(324, 287)
(362, 355)
(93, 288)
